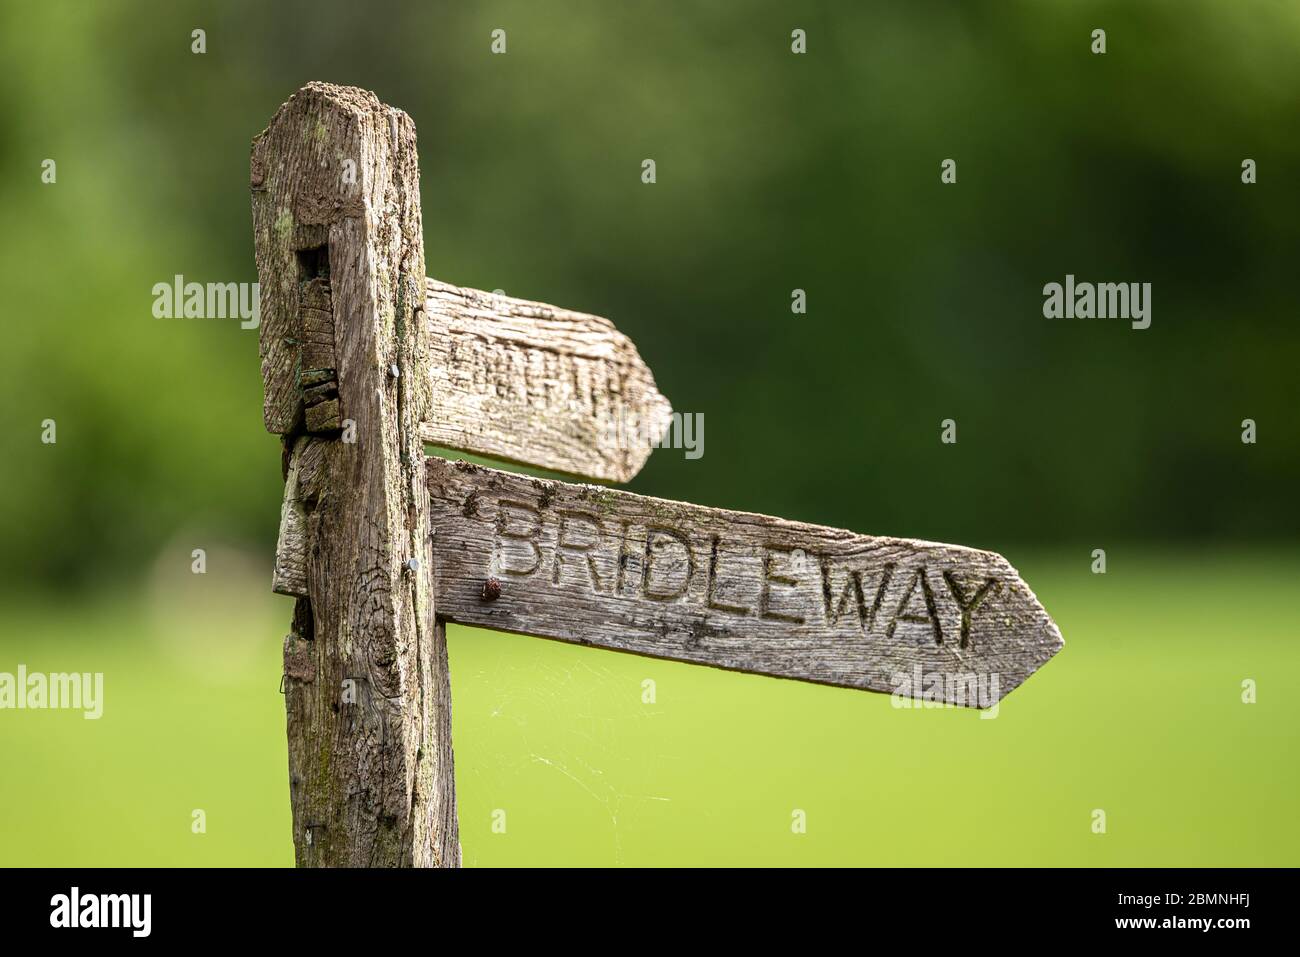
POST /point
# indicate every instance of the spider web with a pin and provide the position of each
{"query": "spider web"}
(568, 721)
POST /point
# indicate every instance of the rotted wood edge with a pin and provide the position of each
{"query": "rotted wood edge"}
(535, 384)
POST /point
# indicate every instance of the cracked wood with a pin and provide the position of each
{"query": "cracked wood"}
(730, 589)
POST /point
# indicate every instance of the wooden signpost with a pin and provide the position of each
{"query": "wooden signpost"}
(364, 360)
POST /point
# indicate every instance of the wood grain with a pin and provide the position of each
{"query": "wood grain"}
(289, 576)
(531, 383)
(335, 181)
(731, 589)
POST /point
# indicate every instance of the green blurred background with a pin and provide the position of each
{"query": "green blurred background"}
(775, 172)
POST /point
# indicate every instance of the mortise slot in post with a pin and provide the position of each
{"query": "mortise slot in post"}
(314, 263)
(317, 376)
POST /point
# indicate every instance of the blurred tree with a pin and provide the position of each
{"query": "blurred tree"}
(775, 171)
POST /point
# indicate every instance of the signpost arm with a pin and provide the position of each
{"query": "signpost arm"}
(340, 257)
(611, 569)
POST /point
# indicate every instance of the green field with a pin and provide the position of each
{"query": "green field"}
(1140, 715)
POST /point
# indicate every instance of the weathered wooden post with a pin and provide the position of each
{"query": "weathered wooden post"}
(363, 360)
(340, 257)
